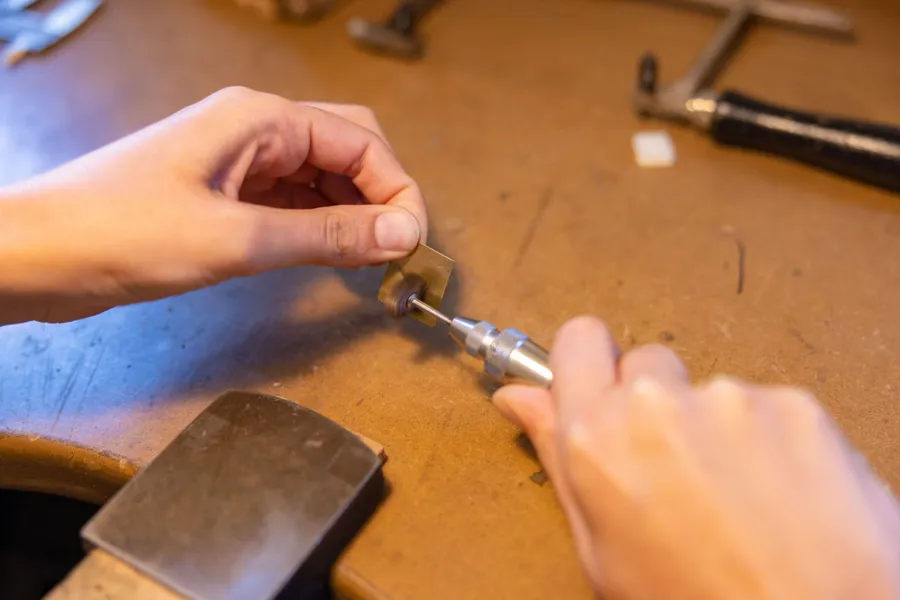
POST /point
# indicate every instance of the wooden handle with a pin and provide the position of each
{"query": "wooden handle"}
(101, 576)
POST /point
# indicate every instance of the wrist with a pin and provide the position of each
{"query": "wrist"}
(29, 271)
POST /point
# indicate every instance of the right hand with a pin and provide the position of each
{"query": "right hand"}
(724, 490)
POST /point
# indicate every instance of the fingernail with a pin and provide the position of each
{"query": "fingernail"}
(396, 230)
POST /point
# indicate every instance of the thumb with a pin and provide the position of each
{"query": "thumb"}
(531, 410)
(340, 236)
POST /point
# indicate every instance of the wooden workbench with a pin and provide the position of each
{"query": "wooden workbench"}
(517, 126)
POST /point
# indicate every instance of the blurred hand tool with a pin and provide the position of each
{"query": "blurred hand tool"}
(296, 10)
(398, 36)
(254, 499)
(508, 355)
(32, 32)
(859, 150)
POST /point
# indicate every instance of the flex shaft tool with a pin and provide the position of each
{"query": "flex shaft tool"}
(507, 354)
(856, 149)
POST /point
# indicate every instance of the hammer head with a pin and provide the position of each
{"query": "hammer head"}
(384, 39)
(255, 498)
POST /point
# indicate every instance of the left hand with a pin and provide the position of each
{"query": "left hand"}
(240, 183)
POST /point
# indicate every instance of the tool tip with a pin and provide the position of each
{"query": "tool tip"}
(428, 309)
(398, 301)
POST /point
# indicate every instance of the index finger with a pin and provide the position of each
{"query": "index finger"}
(282, 137)
(584, 360)
(341, 146)
(361, 115)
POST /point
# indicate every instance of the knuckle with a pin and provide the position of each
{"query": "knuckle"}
(359, 114)
(590, 452)
(647, 397)
(725, 386)
(726, 399)
(237, 97)
(651, 353)
(583, 324)
(339, 234)
(800, 403)
(579, 439)
(234, 94)
(365, 113)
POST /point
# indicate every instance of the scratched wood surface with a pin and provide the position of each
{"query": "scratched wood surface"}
(517, 126)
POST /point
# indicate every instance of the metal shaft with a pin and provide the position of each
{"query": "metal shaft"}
(689, 98)
(509, 355)
(794, 13)
(716, 52)
(428, 309)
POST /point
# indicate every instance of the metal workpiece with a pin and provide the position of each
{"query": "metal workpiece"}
(425, 273)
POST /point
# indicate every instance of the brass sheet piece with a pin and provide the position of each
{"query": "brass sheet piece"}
(429, 264)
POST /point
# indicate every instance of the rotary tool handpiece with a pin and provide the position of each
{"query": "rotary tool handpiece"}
(509, 354)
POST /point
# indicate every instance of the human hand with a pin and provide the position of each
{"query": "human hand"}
(724, 490)
(203, 196)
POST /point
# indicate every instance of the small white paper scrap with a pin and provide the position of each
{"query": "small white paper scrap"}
(653, 149)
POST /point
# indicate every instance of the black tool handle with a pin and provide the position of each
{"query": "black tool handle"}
(868, 152)
(408, 14)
